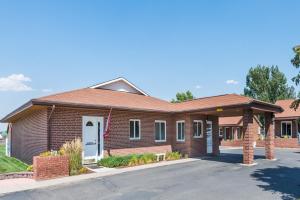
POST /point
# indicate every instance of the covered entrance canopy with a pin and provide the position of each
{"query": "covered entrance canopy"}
(236, 105)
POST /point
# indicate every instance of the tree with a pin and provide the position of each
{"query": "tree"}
(267, 84)
(296, 63)
(183, 96)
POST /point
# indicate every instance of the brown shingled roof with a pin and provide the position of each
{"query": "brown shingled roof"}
(231, 121)
(213, 102)
(100, 98)
(106, 98)
(288, 112)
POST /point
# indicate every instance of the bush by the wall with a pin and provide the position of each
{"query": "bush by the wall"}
(173, 155)
(129, 160)
(73, 149)
(115, 161)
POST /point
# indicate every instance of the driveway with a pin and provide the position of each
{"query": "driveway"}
(208, 178)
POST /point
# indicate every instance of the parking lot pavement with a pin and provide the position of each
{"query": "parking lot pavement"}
(208, 178)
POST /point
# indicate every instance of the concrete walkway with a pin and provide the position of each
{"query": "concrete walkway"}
(21, 184)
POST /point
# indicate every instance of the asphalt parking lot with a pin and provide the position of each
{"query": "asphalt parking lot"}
(207, 178)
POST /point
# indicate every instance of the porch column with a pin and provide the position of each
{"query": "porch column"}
(270, 136)
(235, 133)
(248, 127)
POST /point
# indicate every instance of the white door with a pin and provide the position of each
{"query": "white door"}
(209, 139)
(92, 137)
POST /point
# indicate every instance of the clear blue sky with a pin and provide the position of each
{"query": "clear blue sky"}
(161, 46)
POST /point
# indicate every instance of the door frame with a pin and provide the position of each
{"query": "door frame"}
(212, 144)
(100, 130)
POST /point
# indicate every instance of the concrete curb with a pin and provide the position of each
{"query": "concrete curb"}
(17, 185)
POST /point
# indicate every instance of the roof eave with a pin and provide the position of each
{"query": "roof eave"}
(287, 118)
(17, 111)
(92, 106)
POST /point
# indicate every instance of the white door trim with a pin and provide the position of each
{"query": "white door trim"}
(99, 135)
(209, 149)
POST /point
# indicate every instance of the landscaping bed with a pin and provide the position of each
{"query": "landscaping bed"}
(10, 164)
(135, 159)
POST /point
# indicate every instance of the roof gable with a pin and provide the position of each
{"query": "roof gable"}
(288, 112)
(120, 85)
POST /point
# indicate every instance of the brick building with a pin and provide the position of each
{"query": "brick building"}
(139, 123)
(287, 128)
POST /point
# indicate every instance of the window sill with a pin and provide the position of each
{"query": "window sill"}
(197, 137)
(181, 141)
(160, 141)
(134, 139)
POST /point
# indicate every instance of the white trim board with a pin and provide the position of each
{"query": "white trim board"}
(114, 81)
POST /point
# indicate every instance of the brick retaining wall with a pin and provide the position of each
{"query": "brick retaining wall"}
(279, 142)
(50, 167)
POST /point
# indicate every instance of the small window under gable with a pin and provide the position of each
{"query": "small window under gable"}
(121, 85)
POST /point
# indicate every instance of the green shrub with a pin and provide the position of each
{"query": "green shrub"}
(129, 160)
(115, 161)
(49, 153)
(83, 170)
(173, 155)
(73, 149)
(30, 168)
(134, 160)
(147, 158)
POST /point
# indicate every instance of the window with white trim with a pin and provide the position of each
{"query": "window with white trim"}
(228, 135)
(160, 131)
(180, 131)
(286, 129)
(134, 129)
(198, 128)
(221, 132)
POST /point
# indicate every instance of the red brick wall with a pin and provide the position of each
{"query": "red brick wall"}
(232, 143)
(50, 167)
(279, 143)
(278, 128)
(198, 145)
(195, 146)
(29, 136)
(282, 143)
(183, 146)
(139, 150)
(66, 124)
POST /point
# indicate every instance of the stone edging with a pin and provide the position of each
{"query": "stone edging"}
(16, 175)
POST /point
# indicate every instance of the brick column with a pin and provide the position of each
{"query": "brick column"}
(270, 136)
(248, 127)
(216, 139)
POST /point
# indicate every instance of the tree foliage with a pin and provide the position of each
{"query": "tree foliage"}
(183, 96)
(296, 63)
(267, 84)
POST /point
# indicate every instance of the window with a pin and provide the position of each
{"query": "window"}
(198, 128)
(89, 123)
(160, 131)
(286, 129)
(180, 131)
(135, 129)
(228, 134)
(239, 133)
(221, 132)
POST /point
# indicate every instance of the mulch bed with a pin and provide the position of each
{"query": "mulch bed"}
(16, 175)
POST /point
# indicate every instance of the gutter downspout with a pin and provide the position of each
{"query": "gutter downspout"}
(49, 128)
